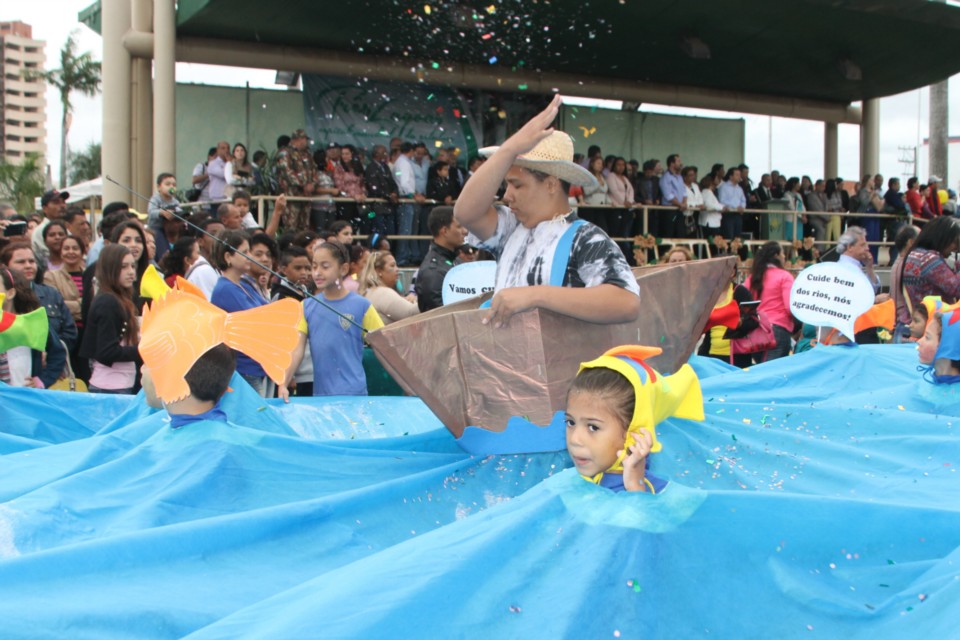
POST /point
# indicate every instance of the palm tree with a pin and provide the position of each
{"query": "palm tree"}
(22, 183)
(85, 165)
(77, 72)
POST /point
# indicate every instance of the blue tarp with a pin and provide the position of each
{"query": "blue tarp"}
(816, 500)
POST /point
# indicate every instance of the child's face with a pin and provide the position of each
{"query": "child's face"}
(167, 186)
(345, 236)
(928, 343)
(595, 435)
(298, 271)
(327, 271)
(260, 253)
(917, 325)
(243, 205)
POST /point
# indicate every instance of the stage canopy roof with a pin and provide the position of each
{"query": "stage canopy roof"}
(836, 51)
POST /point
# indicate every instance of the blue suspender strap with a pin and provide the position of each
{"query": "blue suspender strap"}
(561, 256)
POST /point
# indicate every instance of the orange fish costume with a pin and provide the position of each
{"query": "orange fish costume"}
(179, 327)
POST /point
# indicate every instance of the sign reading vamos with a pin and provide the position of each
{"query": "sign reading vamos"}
(367, 113)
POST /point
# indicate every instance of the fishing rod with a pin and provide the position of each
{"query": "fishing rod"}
(299, 288)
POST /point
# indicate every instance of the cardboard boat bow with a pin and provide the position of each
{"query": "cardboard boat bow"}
(492, 388)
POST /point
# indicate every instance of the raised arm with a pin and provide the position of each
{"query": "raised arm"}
(473, 208)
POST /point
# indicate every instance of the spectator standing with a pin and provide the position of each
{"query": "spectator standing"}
(53, 235)
(78, 225)
(711, 215)
(621, 195)
(237, 171)
(421, 169)
(816, 200)
(869, 201)
(686, 224)
(903, 243)
(914, 200)
(648, 193)
(439, 186)
(770, 283)
(795, 200)
(216, 172)
(406, 212)
(68, 280)
(54, 206)
(764, 191)
(112, 330)
(381, 184)
(893, 203)
(731, 197)
(200, 181)
(297, 178)
(776, 187)
(834, 205)
(933, 196)
(348, 178)
(596, 194)
(925, 270)
(672, 193)
(448, 237)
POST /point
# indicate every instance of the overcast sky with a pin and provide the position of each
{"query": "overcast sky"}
(797, 145)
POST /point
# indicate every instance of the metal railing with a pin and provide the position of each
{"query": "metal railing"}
(259, 203)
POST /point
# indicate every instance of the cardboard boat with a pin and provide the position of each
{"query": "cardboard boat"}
(472, 375)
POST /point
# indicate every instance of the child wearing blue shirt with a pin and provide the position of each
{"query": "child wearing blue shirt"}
(336, 333)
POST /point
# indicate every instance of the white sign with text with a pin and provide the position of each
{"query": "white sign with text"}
(468, 280)
(831, 294)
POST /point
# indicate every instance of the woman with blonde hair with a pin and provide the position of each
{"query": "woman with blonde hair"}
(378, 284)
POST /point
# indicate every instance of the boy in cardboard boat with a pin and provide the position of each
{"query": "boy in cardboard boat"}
(546, 256)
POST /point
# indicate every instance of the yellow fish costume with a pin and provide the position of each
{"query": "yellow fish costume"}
(657, 397)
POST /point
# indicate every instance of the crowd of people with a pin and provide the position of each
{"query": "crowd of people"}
(712, 206)
(389, 192)
(91, 288)
(93, 295)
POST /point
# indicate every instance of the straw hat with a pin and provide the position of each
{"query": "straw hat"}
(554, 156)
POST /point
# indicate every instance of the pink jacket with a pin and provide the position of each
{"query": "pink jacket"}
(775, 298)
(619, 190)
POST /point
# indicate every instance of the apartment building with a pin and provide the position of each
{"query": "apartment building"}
(22, 102)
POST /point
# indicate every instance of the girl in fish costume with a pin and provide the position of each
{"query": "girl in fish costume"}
(613, 407)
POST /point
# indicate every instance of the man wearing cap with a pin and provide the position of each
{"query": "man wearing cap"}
(933, 197)
(53, 203)
(524, 233)
(297, 177)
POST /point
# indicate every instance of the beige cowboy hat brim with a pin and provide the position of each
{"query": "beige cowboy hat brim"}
(564, 169)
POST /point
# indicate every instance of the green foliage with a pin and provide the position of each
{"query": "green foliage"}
(85, 165)
(77, 73)
(21, 184)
